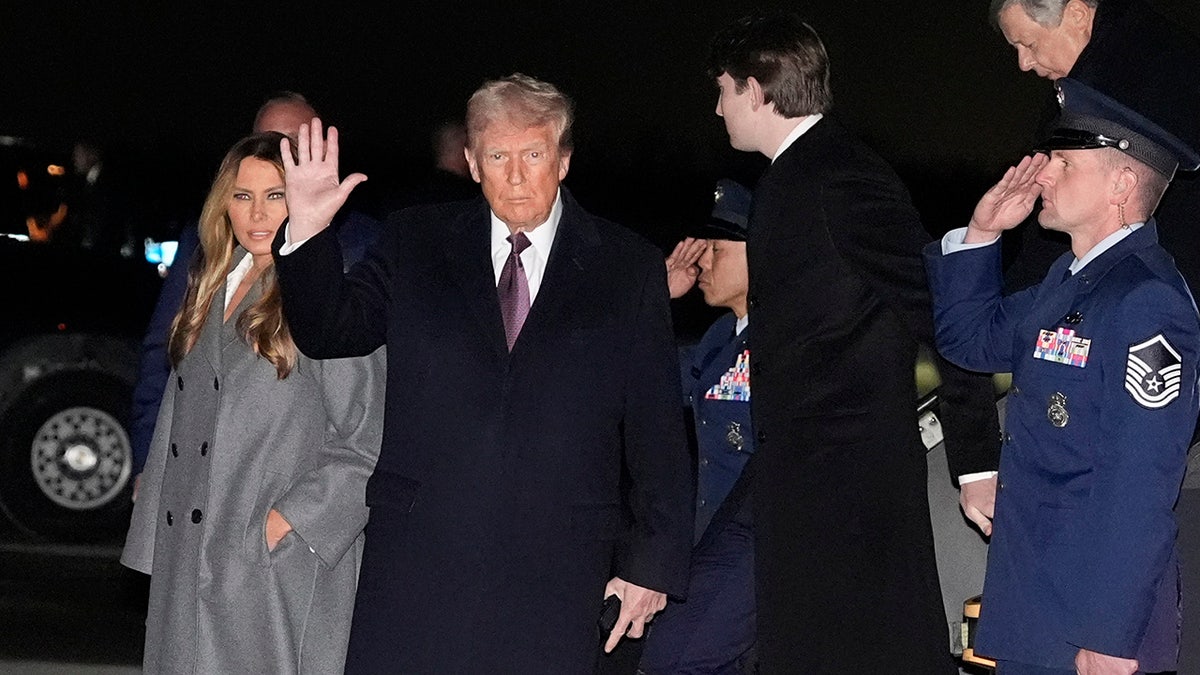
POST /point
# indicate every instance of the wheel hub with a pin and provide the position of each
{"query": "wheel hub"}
(81, 458)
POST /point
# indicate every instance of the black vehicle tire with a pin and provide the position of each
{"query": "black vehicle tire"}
(65, 458)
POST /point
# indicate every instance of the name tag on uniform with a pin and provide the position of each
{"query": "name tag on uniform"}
(735, 383)
(1062, 346)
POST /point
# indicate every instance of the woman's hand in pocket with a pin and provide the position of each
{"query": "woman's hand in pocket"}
(277, 528)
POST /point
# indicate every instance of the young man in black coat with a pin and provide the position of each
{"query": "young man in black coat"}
(846, 580)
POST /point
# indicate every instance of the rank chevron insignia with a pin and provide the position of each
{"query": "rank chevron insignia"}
(1152, 372)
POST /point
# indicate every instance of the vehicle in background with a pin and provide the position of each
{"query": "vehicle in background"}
(71, 321)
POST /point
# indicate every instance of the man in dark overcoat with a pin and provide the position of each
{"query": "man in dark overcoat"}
(844, 559)
(533, 356)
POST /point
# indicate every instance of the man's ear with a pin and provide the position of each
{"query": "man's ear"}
(1077, 17)
(564, 164)
(757, 97)
(1125, 186)
(471, 164)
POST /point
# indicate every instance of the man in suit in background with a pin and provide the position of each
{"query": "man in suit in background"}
(530, 356)
(844, 558)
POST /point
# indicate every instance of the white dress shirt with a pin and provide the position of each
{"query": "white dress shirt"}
(234, 279)
(534, 257)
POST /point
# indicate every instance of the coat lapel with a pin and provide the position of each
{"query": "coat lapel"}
(469, 258)
(208, 345)
(571, 257)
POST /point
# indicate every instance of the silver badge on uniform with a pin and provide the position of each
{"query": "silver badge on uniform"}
(1153, 372)
(1056, 412)
(733, 434)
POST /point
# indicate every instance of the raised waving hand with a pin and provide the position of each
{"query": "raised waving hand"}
(314, 193)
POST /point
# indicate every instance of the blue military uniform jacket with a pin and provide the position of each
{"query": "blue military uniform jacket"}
(716, 385)
(1102, 406)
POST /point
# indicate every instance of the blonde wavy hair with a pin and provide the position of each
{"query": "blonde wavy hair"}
(262, 324)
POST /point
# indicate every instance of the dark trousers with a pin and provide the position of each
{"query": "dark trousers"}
(713, 630)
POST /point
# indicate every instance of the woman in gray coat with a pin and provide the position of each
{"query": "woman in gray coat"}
(251, 509)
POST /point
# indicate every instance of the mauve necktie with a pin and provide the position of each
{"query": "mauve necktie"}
(514, 289)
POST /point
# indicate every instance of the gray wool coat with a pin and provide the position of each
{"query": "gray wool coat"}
(232, 442)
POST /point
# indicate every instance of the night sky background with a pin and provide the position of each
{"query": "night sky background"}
(167, 87)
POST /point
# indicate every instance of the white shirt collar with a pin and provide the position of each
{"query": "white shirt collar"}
(534, 258)
(235, 276)
(540, 237)
(804, 126)
(741, 324)
(1105, 244)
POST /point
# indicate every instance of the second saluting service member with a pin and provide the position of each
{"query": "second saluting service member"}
(713, 630)
(1083, 574)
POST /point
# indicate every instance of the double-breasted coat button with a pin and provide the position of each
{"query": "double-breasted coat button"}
(204, 448)
(762, 437)
(179, 380)
(216, 384)
(1008, 438)
(197, 516)
(170, 519)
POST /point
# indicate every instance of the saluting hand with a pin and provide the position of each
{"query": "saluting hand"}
(311, 185)
(681, 266)
(1008, 202)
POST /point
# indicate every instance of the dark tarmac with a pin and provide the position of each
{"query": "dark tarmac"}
(69, 609)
